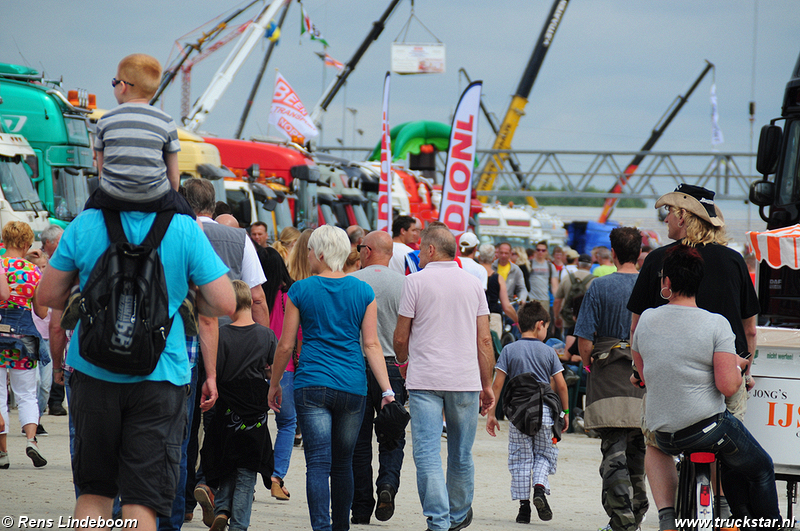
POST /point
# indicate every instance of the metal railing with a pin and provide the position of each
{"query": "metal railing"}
(729, 174)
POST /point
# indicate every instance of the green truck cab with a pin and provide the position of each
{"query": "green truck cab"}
(55, 125)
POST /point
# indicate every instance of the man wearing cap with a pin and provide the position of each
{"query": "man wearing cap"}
(571, 256)
(582, 275)
(693, 219)
(468, 246)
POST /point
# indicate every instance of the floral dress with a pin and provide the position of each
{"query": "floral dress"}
(23, 278)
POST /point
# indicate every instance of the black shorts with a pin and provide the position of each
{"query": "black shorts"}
(172, 200)
(128, 440)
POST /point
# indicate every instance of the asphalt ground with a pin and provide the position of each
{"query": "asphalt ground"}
(47, 492)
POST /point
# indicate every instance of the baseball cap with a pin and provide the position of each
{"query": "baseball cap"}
(572, 254)
(585, 258)
(468, 240)
(695, 199)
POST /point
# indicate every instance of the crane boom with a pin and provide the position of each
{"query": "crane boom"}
(517, 107)
(228, 70)
(336, 84)
(658, 130)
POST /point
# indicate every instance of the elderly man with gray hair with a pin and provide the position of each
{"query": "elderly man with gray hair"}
(442, 311)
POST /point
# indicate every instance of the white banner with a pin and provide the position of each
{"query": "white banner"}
(288, 113)
(418, 58)
(716, 132)
(457, 189)
(385, 187)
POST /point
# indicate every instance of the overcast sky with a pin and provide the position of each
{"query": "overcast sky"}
(612, 70)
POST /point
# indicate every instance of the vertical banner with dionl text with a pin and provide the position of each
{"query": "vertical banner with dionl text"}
(457, 189)
(385, 188)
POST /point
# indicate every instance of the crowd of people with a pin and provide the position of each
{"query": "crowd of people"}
(337, 355)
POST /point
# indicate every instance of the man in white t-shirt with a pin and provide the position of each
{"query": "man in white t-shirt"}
(467, 247)
(443, 310)
(405, 231)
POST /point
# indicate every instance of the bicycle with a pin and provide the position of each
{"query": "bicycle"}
(694, 490)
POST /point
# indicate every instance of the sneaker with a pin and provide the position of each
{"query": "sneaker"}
(606, 528)
(359, 520)
(220, 523)
(4, 462)
(205, 497)
(385, 508)
(464, 523)
(524, 514)
(540, 502)
(32, 450)
(41, 431)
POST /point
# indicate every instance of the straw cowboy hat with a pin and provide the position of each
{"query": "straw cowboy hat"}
(695, 199)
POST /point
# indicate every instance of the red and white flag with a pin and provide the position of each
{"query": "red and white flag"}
(288, 113)
(457, 189)
(330, 61)
(385, 187)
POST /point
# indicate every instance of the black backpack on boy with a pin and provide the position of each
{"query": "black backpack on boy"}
(124, 306)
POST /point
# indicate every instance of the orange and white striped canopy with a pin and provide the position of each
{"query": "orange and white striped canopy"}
(778, 247)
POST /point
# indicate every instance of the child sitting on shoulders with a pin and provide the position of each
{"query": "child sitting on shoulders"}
(531, 368)
(237, 443)
(137, 146)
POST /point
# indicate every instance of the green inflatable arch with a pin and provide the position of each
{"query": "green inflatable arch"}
(408, 137)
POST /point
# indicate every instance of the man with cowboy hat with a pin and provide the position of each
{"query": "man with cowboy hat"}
(694, 219)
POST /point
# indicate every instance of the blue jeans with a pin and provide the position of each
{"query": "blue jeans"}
(391, 461)
(235, 498)
(175, 521)
(330, 420)
(45, 377)
(748, 476)
(445, 502)
(286, 420)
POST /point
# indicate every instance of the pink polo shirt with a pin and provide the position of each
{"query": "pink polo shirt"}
(444, 302)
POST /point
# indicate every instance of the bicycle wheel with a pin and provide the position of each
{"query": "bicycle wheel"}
(685, 500)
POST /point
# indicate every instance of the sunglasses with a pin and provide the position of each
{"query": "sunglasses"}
(360, 247)
(541, 250)
(115, 82)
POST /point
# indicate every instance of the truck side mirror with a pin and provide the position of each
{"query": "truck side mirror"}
(769, 148)
(762, 193)
(253, 173)
(269, 204)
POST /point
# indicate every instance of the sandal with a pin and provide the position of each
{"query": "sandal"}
(278, 490)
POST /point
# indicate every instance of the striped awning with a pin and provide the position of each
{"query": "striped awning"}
(778, 247)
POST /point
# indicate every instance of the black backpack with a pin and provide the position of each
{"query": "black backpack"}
(577, 288)
(124, 306)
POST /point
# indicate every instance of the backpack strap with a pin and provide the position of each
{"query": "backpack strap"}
(153, 239)
(114, 226)
(159, 229)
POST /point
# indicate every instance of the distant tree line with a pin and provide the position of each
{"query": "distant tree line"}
(572, 201)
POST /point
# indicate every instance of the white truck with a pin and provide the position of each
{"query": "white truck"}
(514, 224)
(19, 200)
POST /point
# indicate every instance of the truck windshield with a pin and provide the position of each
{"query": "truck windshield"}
(17, 187)
(789, 191)
(70, 192)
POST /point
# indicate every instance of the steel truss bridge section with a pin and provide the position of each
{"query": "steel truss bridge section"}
(727, 173)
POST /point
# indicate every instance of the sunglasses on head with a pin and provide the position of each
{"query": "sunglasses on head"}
(115, 82)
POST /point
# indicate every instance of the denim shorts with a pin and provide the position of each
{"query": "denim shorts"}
(128, 435)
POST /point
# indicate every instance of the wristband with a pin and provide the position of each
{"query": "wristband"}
(58, 370)
(566, 411)
(386, 393)
(401, 364)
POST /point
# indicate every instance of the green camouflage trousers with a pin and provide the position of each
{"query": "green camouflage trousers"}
(624, 495)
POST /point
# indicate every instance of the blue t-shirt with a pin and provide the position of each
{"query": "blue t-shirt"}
(604, 309)
(186, 254)
(529, 355)
(331, 311)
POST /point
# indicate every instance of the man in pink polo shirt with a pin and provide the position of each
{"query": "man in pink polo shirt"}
(442, 310)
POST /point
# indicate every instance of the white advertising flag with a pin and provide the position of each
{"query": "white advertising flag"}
(385, 187)
(716, 132)
(457, 189)
(287, 112)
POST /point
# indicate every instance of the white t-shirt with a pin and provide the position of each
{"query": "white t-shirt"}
(475, 269)
(444, 302)
(398, 261)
